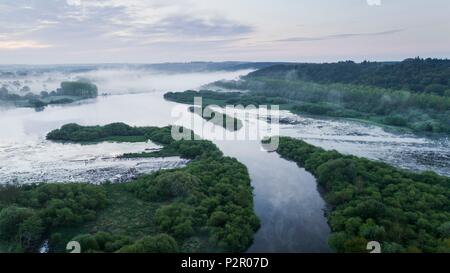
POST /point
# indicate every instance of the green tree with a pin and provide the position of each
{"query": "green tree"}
(161, 243)
(11, 218)
(30, 232)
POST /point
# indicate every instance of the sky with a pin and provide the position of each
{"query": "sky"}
(153, 31)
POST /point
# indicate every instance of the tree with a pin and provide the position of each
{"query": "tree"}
(218, 219)
(356, 245)
(11, 218)
(78, 89)
(161, 243)
(438, 89)
(336, 241)
(176, 219)
(30, 232)
(175, 184)
(87, 242)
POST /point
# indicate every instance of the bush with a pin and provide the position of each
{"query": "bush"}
(30, 232)
(102, 242)
(395, 121)
(78, 89)
(174, 184)
(161, 243)
(65, 204)
(176, 219)
(11, 218)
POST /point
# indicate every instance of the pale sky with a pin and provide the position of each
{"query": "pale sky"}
(150, 31)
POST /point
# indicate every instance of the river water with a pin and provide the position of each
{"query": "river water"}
(286, 198)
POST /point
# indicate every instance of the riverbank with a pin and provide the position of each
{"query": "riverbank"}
(206, 206)
(372, 201)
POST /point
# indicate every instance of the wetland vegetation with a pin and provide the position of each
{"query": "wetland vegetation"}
(206, 206)
(372, 201)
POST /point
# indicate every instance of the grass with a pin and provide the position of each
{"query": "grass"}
(125, 215)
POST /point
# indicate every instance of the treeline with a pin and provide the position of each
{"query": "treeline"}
(111, 132)
(224, 98)
(68, 92)
(30, 212)
(420, 112)
(208, 96)
(430, 76)
(206, 206)
(372, 201)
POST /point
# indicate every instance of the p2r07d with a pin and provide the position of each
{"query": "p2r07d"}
(247, 262)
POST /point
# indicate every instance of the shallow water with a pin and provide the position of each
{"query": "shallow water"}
(43, 161)
(286, 197)
(406, 151)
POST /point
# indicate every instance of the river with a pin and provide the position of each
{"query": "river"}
(286, 198)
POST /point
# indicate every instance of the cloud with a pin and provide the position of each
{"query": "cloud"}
(192, 26)
(373, 2)
(111, 23)
(136, 18)
(11, 45)
(339, 36)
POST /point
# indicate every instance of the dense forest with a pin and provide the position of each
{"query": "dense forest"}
(206, 206)
(418, 112)
(68, 92)
(418, 75)
(413, 94)
(372, 201)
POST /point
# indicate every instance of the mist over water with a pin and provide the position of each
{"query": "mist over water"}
(27, 157)
(286, 198)
(118, 80)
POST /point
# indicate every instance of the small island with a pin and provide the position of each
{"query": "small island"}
(69, 92)
(206, 206)
(209, 98)
(218, 118)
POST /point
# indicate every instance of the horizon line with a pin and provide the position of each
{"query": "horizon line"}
(238, 62)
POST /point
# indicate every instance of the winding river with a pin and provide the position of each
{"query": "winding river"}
(286, 198)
